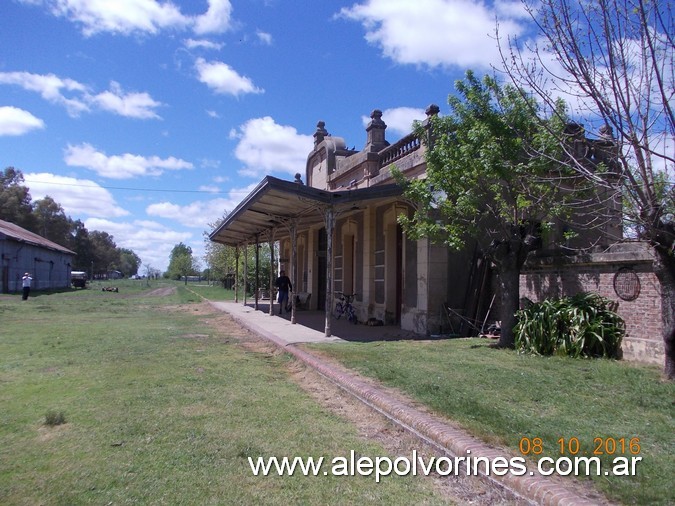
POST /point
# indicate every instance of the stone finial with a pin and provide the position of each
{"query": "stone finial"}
(298, 178)
(432, 110)
(376, 117)
(606, 132)
(576, 137)
(320, 133)
(574, 129)
(375, 129)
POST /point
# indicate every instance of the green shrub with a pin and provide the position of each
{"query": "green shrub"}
(584, 325)
(53, 418)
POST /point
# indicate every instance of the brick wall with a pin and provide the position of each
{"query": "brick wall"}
(558, 276)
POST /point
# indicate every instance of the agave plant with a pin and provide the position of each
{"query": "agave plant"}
(583, 325)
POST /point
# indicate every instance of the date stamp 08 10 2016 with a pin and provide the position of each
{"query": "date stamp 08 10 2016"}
(573, 459)
(572, 446)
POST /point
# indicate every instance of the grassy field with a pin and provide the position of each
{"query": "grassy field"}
(212, 292)
(503, 397)
(159, 409)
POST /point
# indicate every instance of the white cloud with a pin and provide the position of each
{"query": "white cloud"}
(200, 214)
(399, 120)
(201, 43)
(511, 9)
(209, 188)
(191, 215)
(265, 147)
(121, 16)
(51, 88)
(196, 214)
(209, 163)
(15, 121)
(150, 240)
(120, 166)
(77, 98)
(264, 37)
(216, 19)
(126, 17)
(78, 197)
(130, 105)
(456, 32)
(223, 79)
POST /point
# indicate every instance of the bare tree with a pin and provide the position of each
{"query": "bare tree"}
(613, 60)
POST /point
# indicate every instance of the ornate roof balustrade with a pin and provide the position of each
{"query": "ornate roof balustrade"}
(398, 150)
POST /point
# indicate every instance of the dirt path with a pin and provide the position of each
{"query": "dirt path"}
(162, 292)
(370, 424)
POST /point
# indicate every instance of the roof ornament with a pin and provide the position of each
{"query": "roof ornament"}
(606, 132)
(375, 139)
(320, 133)
(376, 117)
(432, 110)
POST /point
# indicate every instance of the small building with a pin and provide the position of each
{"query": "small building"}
(113, 274)
(22, 251)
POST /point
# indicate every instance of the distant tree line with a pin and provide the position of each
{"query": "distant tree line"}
(96, 251)
(227, 264)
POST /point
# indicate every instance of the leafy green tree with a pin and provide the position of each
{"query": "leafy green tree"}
(105, 254)
(219, 258)
(181, 262)
(182, 266)
(129, 262)
(52, 222)
(489, 178)
(15, 200)
(81, 245)
(263, 280)
(222, 261)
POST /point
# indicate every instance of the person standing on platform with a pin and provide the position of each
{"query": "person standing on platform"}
(283, 283)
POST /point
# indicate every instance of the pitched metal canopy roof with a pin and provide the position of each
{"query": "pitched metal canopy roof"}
(275, 202)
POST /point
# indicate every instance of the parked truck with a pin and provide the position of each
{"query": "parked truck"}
(78, 279)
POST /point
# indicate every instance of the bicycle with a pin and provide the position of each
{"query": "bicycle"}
(344, 306)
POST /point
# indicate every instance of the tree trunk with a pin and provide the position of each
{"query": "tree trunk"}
(664, 268)
(510, 255)
(509, 283)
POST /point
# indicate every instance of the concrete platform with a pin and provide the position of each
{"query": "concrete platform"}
(310, 325)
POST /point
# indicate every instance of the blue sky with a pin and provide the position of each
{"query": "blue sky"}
(150, 119)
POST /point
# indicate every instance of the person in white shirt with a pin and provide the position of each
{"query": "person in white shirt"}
(26, 285)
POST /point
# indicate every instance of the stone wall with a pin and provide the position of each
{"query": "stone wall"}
(624, 274)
